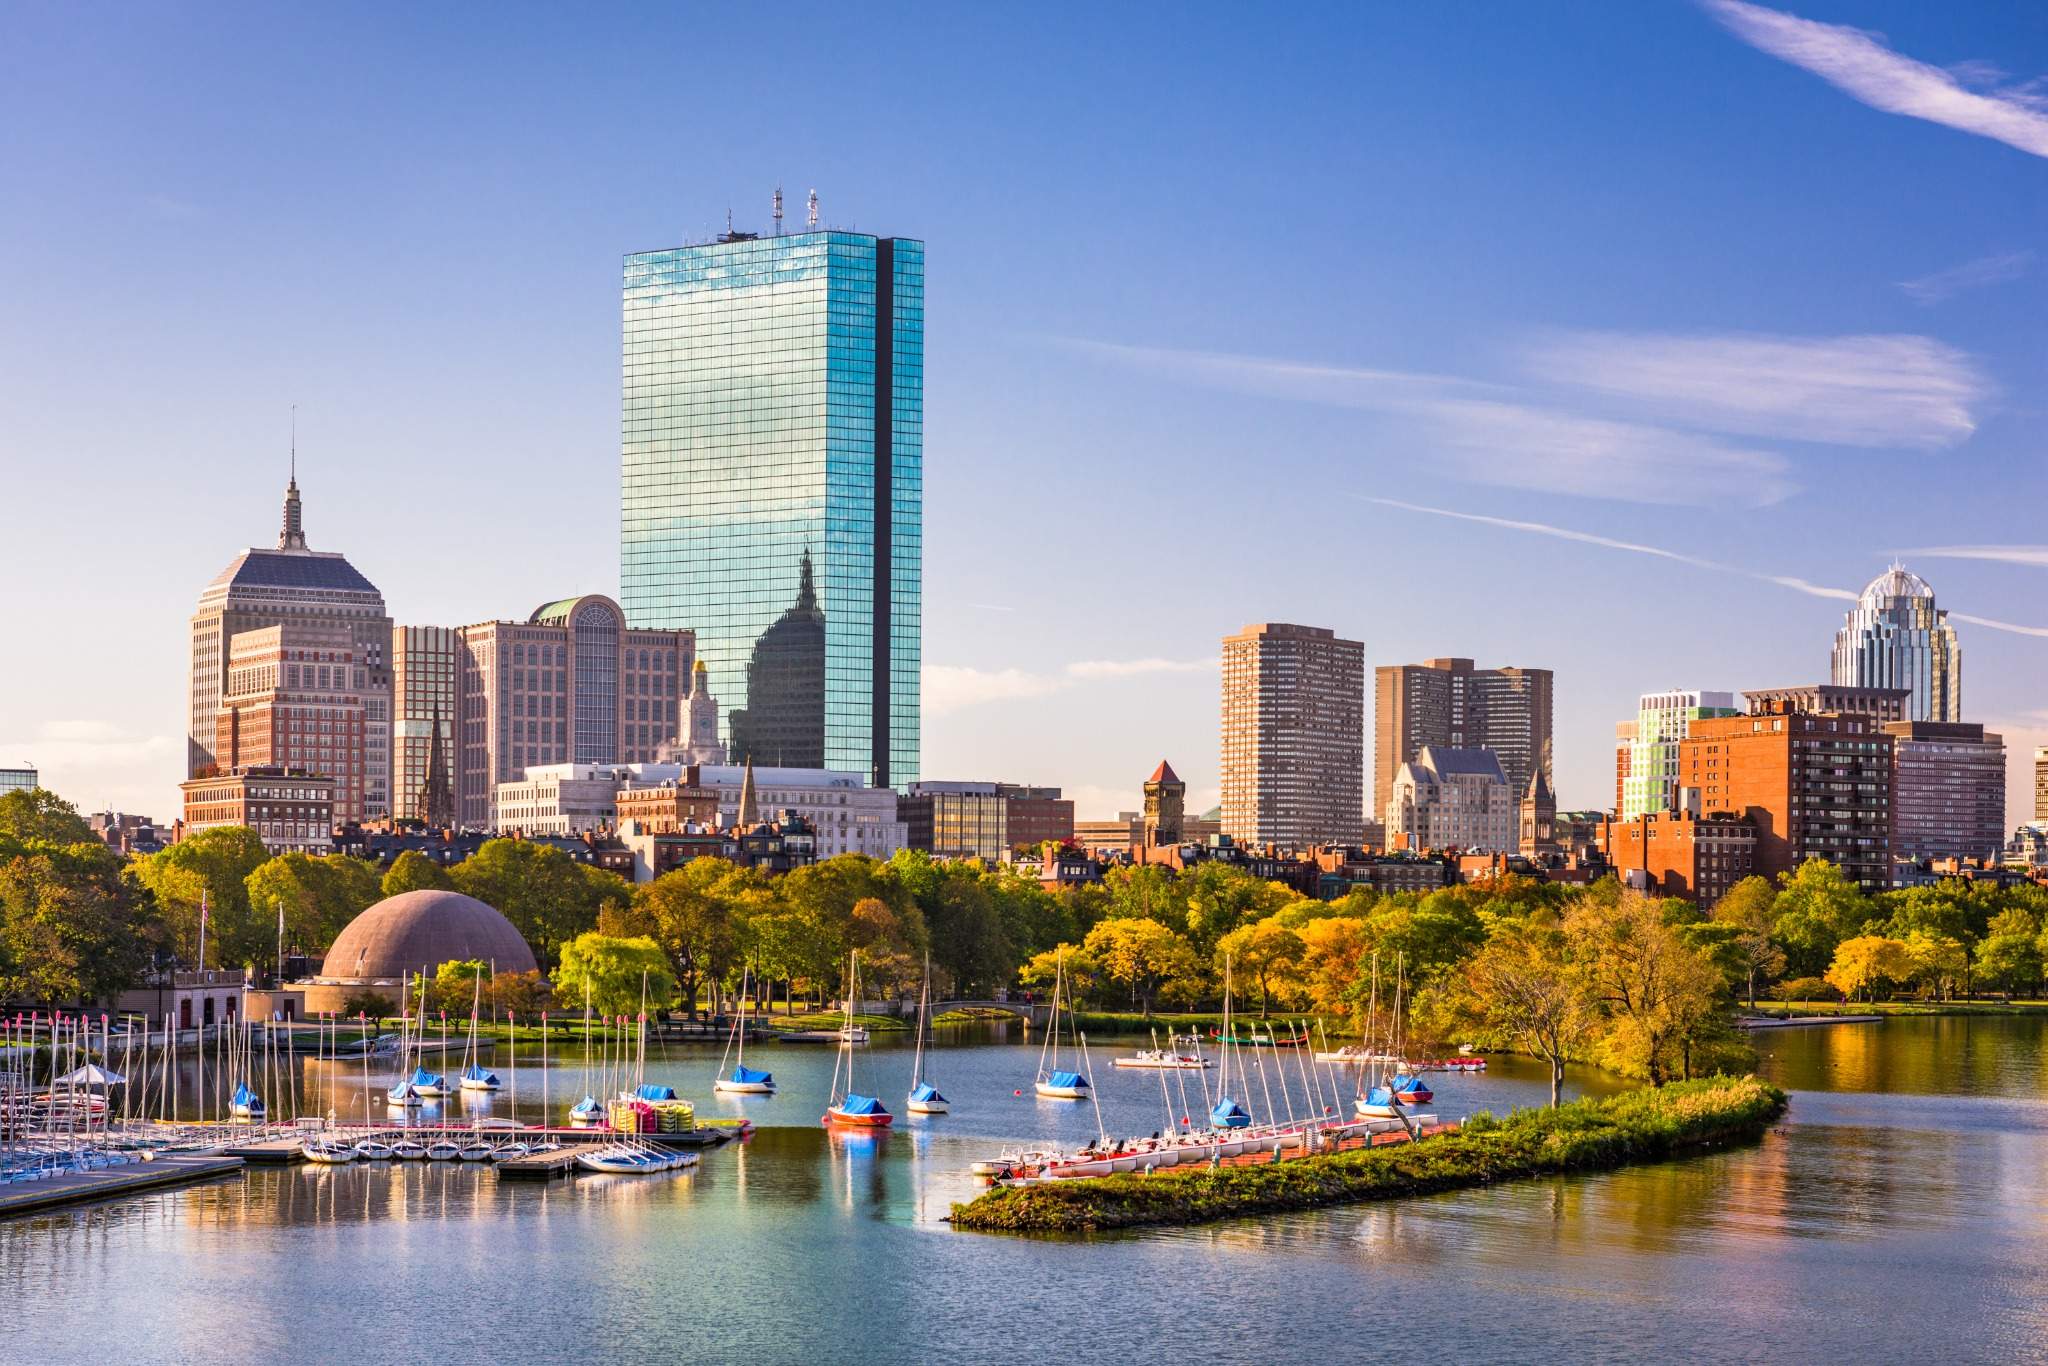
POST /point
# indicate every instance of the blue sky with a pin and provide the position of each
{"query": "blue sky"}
(1221, 302)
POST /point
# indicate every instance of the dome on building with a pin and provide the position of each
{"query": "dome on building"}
(1896, 582)
(419, 931)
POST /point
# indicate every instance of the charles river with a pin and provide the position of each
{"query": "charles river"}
(1899, 1212)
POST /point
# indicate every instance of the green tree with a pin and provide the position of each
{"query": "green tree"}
(615, 972)
(1751, 908)
(2008, 958)
(691, 914)
(1817, 909)
(1940, 963)
(1220, 897)
(319, 896)
(37, 814)
(73, 926)
(1863, 963)
(1084, 973)
(1523, 985)
(1140, 954)
(413, 871)
(214, 864)
(1658, 992)
(371, 1005)
(541, 890)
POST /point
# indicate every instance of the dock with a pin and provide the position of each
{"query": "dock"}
(538, 1166)
(1800, 1021)
(275, 1151)
(112, 1183)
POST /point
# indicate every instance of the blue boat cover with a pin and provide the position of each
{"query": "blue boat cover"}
(652, 1092)
(1379, 1095)
(1066, 1079)
(743, 1073)
(860, 1105)
(475, 1072)
(586, 1108)
(926, 1091)
(422, 1077)
(1229, 1114)
(400, 1091)
(1406, 1084)
(244, 1096)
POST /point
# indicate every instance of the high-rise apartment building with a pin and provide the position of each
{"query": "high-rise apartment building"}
(1646, 771)
(294, 585)
(1895, 637)
(1813, 784)
(569, 685)
(773, 486)
(426, 668)
(1948, 790)
(295, 699)
(1451, 705)
(1293, 736)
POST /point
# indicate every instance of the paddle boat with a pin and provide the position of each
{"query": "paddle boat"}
(1162, 1059)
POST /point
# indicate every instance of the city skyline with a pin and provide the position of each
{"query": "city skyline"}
(1629, 392)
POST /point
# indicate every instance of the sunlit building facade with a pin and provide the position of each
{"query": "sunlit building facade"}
(772, 486)
(426, 664)
(1646, 774)
(1896, 637)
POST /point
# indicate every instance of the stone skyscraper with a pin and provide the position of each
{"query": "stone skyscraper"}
(772, 492)
(1896, 637)
(292, 585)
(1293, 736)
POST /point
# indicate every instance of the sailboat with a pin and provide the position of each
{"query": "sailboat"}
(1053, 1083)
(849, 1107)
(1396, 1096)
(1226, 1113)
(742, 1080)
(924, 1097)
(246, 1104)
(474, 1075)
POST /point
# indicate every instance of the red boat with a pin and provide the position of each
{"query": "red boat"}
(860, 1112)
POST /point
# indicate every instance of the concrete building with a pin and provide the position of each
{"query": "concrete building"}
(1036, 815)
(667, 808)
(289, 809)
(1646, 766)
(1452, 705)
(1814, 784)
(293, 585)
(1293, 736)
(772, 486)
(1948, 791)
(569, 685)
(1448, 798)
(19, 779)
(1879, 704)
(956, 820)
(2041, 783)
(697, 742)
(294, 697)
(426, 705)
(1682, 854)
(131, 836)
(1895, 637)
(560, 799)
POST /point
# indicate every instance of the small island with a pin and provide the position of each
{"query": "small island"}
(1648, 1125)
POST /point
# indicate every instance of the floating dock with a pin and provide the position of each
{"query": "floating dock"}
(111, 1183)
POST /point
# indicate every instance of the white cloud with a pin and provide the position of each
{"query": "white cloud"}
(1495, 434)
(1859, 64)
(2033, 555)
(1985, 270)
(1884, 391)
(2041, 631)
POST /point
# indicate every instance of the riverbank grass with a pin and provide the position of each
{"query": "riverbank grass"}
(1648, 1125)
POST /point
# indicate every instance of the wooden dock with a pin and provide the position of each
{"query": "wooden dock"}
(538, 1166)
(271, 1151)
(111, 1183)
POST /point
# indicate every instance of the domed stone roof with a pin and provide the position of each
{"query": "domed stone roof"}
(419, 931)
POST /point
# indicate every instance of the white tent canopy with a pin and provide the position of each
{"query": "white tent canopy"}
(92, 1074)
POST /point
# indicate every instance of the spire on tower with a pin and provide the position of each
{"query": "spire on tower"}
(746, 816)
(293, 536)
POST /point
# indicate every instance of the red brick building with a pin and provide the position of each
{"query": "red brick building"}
(1676, 853)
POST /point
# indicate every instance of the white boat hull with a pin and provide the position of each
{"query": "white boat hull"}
(329, 1156)
(1164, 1064)
(927, 1107)
(743, 1088)
(1051, 1092)
(372, 1151)
(479, 1086)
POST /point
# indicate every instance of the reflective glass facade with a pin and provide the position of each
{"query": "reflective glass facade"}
(772, 488)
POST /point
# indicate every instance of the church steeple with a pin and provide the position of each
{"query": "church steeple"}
(746, 817)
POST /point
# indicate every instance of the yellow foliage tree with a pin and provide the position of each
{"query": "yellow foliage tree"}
(1867, 960)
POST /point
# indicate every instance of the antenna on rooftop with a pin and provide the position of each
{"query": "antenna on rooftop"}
(813, 216)
(778, 211)
(295, 443)
(728, 220)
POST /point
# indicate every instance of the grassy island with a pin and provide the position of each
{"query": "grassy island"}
(1587, 1136)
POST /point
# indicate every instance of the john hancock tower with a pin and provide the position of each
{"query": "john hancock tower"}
(772, 495)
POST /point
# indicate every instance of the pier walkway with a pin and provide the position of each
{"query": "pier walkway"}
(108, 1183)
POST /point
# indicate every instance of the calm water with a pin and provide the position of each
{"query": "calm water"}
(1900, 1211)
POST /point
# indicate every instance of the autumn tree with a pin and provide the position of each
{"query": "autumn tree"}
(1140, 954)
(1750, 908)
(1523, 985)
(1260, 950)
(1863, 963)
(1657, 991)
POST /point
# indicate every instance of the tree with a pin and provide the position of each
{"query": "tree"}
(1864, 962)
(1084, 974)
(73, 926)
(37, 814)
(1261, 949)
(1522, 984)
(214, 864)
(319, 895)
(370, 1005)
(1222, 897)
(1657, 991)
(1750, 906)
(615, 972)
(519, 993)
(1940, 963)
(413, 871)
(2008, 958)
(1139, 954)
(1817, 909)
(690, 914)
(1330, 973)
(458, 985)
(541, 890)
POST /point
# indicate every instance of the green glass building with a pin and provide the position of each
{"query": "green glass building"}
(772, 490)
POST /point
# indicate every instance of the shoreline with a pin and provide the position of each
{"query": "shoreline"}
(1630, 1129)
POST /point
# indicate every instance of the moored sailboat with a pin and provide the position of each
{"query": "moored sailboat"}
(742, 1080)
(850, 1107)
(924, 1098)
(1054, 1082)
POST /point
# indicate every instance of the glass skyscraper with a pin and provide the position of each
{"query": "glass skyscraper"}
(772, 490)
(1897, 638)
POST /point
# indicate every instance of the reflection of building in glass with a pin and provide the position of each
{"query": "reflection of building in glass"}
(783, 722)
(772, 485)
(425, 661)
(568, 685)
(1896, 637)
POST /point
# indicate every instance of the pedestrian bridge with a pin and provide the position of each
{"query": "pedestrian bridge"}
(1034, 1014)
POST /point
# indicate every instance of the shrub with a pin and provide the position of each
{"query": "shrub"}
(1806, 989)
